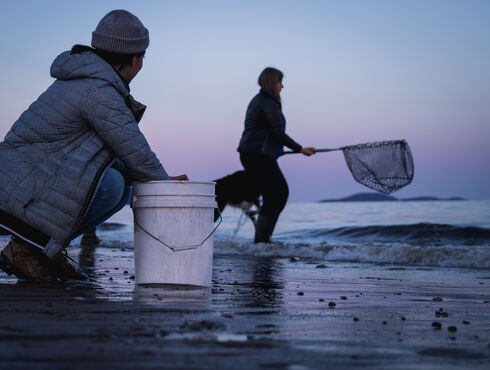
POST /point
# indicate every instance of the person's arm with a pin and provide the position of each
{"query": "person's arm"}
(273, 119)
(107, 113)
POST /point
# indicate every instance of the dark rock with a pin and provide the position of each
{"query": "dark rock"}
(465, 322)
(444, 314)
(202, 325)
(331, 304)
(452, 328)
(300, 293)
(436, 325)
(322, 266)
(385, 323)
(321, 300)
(343, 297)
(403, 318)
(355, 318)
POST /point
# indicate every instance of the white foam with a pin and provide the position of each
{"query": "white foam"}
(400, 254)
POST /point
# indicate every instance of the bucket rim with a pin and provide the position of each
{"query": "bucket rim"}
(174, 182)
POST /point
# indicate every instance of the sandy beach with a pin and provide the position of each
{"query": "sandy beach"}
(262, 312)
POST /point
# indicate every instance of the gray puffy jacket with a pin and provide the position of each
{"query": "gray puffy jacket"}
(53, 157)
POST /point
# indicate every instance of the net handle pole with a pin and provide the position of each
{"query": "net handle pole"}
(324, 150)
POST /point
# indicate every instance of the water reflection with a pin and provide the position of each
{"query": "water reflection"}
(249, 282)
(88, 244)
(265, 284)
(172, 296)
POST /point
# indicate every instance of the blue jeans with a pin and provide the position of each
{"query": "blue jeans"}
(111, 196)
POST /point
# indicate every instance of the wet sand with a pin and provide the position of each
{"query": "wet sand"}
(273, 313)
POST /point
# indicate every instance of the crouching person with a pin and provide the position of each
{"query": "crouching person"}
(67, 163)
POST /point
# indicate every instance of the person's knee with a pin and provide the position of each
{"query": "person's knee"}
(112, 187)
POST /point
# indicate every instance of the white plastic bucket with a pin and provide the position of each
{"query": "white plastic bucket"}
(173, 232)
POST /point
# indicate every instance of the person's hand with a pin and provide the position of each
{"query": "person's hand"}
(308, 151)
(180, 178)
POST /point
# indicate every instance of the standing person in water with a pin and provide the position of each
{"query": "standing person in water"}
(67, 163)
(261, 144)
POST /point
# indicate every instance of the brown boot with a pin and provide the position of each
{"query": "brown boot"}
(26, 262)
(65, 269)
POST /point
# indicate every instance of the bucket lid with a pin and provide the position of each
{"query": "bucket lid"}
(173, 187)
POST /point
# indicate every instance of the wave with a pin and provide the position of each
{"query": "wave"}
(420, 233)
(421, 244)
(461, 256)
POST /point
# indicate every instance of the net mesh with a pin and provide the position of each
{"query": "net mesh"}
(385, 166)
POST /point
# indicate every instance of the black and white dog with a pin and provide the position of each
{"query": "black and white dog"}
(237, 190)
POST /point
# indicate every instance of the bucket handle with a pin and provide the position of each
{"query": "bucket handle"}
(183, 248)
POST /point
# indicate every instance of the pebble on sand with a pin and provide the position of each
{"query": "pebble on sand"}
(436, 325)
(322, 266)
(355, 318)
(331, 304)
(300, 293)
(343, 297)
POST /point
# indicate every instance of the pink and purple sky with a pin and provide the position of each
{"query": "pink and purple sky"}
(355, 72)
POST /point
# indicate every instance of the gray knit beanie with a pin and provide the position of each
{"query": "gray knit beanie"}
(120, 32)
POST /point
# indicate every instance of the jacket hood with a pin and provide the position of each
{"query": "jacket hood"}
(69, 66)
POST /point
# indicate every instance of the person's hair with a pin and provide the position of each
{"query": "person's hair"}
(112, 58)
(268, 80)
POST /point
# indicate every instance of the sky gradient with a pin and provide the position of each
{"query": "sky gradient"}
(355, 72)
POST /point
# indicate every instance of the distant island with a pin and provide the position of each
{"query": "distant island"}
(377, 197)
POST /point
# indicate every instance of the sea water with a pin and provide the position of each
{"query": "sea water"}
(414, 233)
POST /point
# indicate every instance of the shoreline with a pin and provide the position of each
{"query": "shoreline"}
(260, 312)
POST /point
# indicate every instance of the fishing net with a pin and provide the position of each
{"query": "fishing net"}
(385, 166)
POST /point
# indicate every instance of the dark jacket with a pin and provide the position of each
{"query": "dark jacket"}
(264, 127)
(54, 155)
